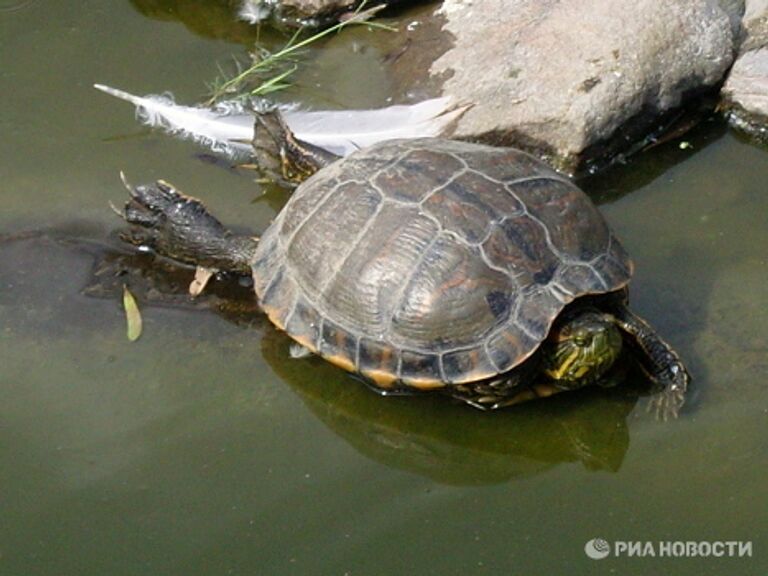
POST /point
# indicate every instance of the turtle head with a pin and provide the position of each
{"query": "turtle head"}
(581, 348)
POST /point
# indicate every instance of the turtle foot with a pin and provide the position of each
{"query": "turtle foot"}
(179, 227)
(666, 405)
(164, 219)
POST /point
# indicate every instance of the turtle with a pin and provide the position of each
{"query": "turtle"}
(431, 264)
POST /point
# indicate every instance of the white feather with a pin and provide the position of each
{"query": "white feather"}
(227, 128)
(254, 11)
(344, 131)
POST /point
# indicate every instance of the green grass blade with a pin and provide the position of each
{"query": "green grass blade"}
(290, 50)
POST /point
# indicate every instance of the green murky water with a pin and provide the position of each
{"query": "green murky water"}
(202, 449)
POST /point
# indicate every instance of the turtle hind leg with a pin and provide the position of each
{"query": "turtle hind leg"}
(281, 156)
(660, 362)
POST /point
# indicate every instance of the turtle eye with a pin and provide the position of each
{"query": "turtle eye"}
(582, 338)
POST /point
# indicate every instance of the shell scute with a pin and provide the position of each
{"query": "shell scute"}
(336, 342)
(304, 323)
(445, 303)
(417, 173)
(363, 290)
(377, 360)
(421, 370)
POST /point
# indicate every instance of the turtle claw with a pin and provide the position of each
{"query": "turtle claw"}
(157, 197)
(144, 216)
(666, 405)
(160, 204)
(124, 180)
(667, 402)
(150, 198)
(138, 215)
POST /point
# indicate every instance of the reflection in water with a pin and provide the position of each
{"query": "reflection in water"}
(454, 444)
(207, 18)
(428, 435)
(158, 282)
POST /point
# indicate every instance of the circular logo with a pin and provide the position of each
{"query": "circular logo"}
(597, 548)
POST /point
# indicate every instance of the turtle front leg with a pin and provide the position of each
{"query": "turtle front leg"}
(179, 227)
(662, 364)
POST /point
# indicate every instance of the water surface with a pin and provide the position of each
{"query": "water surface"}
(203, 449)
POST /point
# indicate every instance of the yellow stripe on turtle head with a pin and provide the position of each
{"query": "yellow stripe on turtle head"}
(558, 372)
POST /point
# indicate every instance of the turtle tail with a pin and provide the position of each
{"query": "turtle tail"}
(662, 364)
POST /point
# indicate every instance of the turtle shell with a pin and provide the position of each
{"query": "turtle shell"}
(429, 262)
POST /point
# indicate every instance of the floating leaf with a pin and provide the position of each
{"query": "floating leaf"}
(132, 315)
(202, 275)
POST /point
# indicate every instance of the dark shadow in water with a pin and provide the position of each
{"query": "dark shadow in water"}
(454, 444)
(428, 435)
(207, 18)
(618, 180)
(60, 265)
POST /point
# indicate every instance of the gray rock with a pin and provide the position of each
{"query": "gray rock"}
(745, 93)
(562, 76)
(754, 25)
(301, 13)
(735, 11)
(314, 9)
